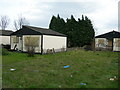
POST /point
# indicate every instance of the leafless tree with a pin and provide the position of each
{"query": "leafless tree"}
(19, 22)
(4, 22)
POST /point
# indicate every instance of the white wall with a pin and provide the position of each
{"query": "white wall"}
(49, 42)
(115, 45)
(56, 42)
(5, 40)
(37, 49)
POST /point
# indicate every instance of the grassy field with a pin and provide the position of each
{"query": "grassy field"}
(0, 72)
(46, 71)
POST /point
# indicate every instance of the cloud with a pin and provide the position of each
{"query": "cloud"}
(106, 19)
(32, 10)
(103, 13)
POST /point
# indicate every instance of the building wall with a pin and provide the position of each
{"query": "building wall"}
(116, 45)
(5, 40)
(18, 44)
(57, 43)
(37, 48)
(49, 42)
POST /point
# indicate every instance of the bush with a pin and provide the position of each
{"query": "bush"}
(6, 47)
(31, 51)
(87, 47)
(4, 51)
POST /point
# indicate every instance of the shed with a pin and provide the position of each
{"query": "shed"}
(43, 40)
(5, 37)
(109, 41)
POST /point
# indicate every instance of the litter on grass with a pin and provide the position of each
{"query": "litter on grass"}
(67, 66)
(83, 84)
(115, 77)
(111, 79)
(71, 75)
(59, 86)
(12, 69)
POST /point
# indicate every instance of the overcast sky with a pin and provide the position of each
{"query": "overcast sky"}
(103, 13)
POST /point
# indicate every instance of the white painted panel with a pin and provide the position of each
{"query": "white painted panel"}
(5, 40)
(115, 44)
(37, 49)
(56, 42)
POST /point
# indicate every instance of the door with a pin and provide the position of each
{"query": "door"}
(20, 44)
(110, 44)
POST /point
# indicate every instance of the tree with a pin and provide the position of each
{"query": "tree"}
(57, 24)
(4, 22)
(82, 17)
(19, 22)
(87, 30)
(52, 24)
(71, 27)
(79, 33)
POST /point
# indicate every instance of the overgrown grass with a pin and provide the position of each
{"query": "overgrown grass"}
(46, 71)
(0, 69)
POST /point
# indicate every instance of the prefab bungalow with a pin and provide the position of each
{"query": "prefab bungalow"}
(5, 37)
(43, 40)
(108, 41)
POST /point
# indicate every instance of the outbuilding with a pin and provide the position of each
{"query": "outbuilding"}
(41, 39)
(108, 41)
(5, 37)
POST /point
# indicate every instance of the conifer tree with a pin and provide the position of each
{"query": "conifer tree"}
(57, 24)
(79, 33)
(52, 24)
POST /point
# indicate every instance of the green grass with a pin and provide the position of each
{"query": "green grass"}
(0, 72)
(46, 71)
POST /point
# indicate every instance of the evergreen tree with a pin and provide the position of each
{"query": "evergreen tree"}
(57, 24)
(82, 17)
(87, 31)
(71, 28)
(79, 33)
(53, 22)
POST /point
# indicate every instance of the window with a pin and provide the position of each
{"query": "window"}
(118, 43)
(31, 41)
(101, 43)
(15, 39)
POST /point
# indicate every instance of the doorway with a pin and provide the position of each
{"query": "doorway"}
(20, 44)
(110, 44)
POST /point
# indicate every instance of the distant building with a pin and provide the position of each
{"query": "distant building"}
(5, 37)
(44, 40)
(108, 41)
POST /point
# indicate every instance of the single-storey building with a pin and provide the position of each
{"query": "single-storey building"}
(5, 37)
(41, 39)
(108, 41)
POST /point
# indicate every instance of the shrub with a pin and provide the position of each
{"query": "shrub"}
(31, 51)
(87, 47)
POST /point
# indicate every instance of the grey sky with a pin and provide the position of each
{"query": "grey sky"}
(103, 13)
